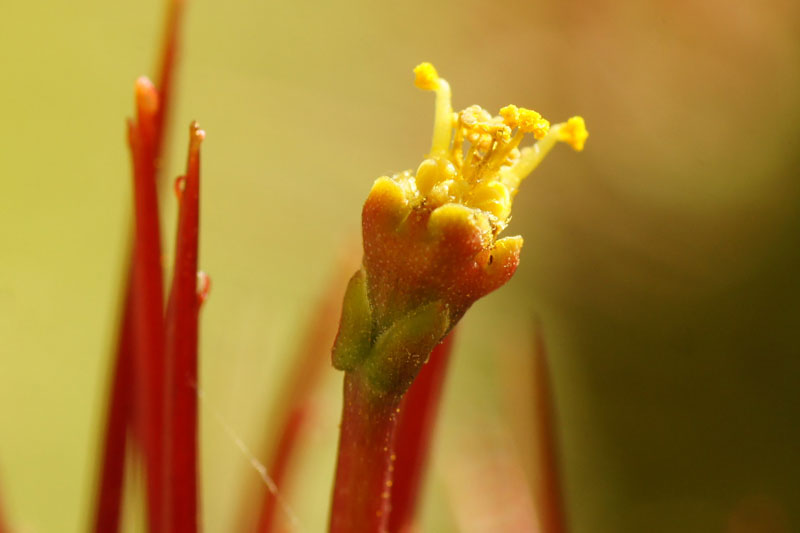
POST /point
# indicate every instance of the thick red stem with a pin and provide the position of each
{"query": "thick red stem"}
(180, 435)
(112, 474)
(549, 493)
(417, 419)
(148, 303)
(361, 492)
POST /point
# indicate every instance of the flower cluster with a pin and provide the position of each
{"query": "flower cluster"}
(431, 237)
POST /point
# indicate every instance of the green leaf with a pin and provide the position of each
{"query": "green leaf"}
(353, 340)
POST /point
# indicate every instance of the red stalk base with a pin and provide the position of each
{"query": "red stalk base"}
(361, 495)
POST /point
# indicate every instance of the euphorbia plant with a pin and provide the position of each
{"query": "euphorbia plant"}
(431, 249)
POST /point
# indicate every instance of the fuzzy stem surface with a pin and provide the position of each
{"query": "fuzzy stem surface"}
(362, 490)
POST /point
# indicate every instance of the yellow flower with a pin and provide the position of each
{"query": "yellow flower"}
(431, 246)
(486, 175)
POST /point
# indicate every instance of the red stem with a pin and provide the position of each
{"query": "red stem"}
(413, 438)
(146, 144)
(364, 470)
(550, 495)
(180, 435)
(148, 303)
(112, 473)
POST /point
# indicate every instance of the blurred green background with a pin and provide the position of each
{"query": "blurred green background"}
(662, 261)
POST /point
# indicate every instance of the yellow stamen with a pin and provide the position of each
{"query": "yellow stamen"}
(574, 133)
(510, 114)
(532, 122)
(427, 79)
(529, 159)
(525, 120)
(483, 176)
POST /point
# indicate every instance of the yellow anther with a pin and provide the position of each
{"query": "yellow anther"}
(426, 78)
(510, 114)
(475, 160)
(541, 128)
(528, 119)
(574, 133)
(532, 122)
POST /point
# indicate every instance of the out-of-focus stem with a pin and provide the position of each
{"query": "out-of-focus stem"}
(181, 462)
(148, 297)
(108, 502)
(417, 419)
(166, 71)
(3, 525)
(150, 140)
(549, 494)
(361, 494)
(279, 464)
(295, 407)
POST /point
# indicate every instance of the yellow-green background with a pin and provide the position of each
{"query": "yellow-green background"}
(663, 260)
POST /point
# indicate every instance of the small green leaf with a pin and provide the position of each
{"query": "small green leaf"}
(353, 340)
(399, 352)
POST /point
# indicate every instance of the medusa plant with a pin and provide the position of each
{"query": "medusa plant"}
(432, 246)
